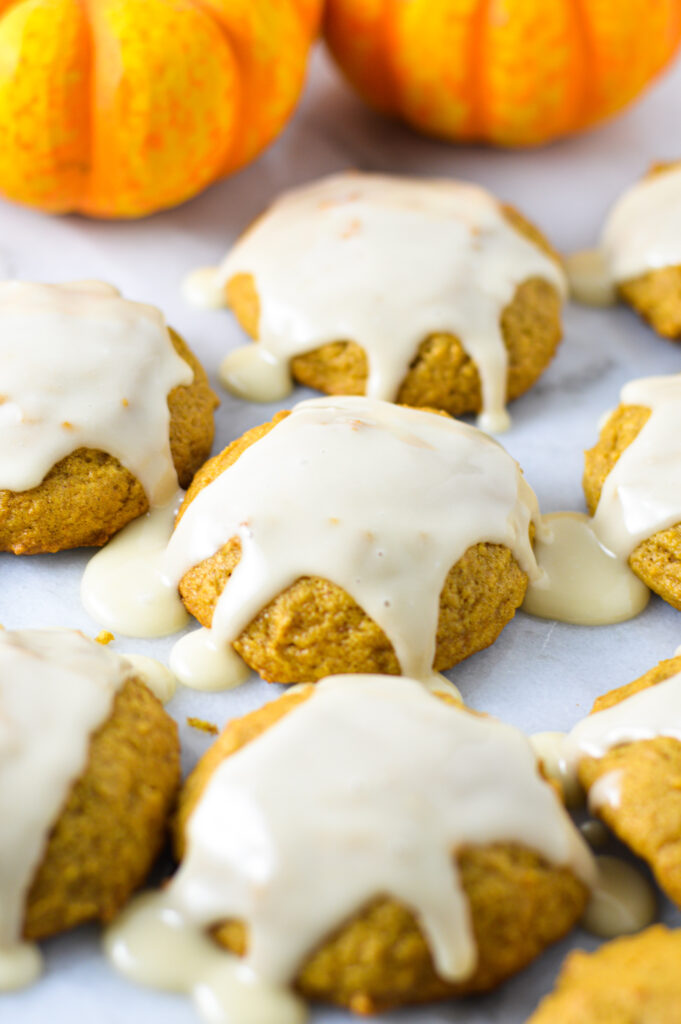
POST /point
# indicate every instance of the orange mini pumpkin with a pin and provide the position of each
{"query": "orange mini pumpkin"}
(116, 108)
(514, 72)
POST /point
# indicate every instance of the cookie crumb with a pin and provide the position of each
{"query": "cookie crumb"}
(198, 723)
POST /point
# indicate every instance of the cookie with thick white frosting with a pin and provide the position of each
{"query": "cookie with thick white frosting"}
(627, 755)
(632, 483)
(424, 292)
(363, 841)
(352, 535)
(104, 412)
(89, 768)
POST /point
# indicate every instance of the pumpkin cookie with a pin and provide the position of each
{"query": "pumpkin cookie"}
(642, 246)
(627, 753)
(103, 410)
(424, 292)
(632, 483)
(352, 535)
(633, 980)
(88, 774)
(404, 868)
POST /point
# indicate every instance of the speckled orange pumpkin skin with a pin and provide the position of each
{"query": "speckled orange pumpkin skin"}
(117, 108)
(511, 72)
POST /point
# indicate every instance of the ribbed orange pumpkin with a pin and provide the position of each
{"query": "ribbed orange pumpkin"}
(116, 108)
(514, 72)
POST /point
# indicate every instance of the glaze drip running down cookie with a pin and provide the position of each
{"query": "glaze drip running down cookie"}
(376, 501)
(404, 784)
(385, 263)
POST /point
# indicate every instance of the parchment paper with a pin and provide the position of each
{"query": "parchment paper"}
(539, 674)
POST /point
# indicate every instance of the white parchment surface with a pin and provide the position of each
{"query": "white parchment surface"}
(539, 675)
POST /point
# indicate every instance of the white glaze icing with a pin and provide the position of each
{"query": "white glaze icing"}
(550, 750)
(642, 233)
(655, 711)
(605, 792)
(123, 587)
(379, 499)
(252, 372)
(382, 261)
(202, 662)
(643, 230)
(581, 582)
(622, 901)
(590, 280)
(151, 944)
(82, 367)
(202, 288)
(401, 781)
(56, 689)
(155, 675)
(642, 493)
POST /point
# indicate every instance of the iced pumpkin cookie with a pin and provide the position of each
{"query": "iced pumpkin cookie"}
(89, 768)
(634, 980)
(352, 535)
(632, 483)
(358, 841)
(103, 410)
(627, 754)
(640, 256)
(425, 292)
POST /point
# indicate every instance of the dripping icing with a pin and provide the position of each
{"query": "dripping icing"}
(622, 900)
(581, 582)
(123, 587)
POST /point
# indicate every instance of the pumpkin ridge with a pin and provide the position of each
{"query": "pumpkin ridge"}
(91, 104)
(7, 5)
(581, 112)
(389, 17)
(241, 115)
(475, 122)
(303, 7)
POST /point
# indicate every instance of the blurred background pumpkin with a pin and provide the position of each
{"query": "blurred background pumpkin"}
(117, 108)
(511, 72)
